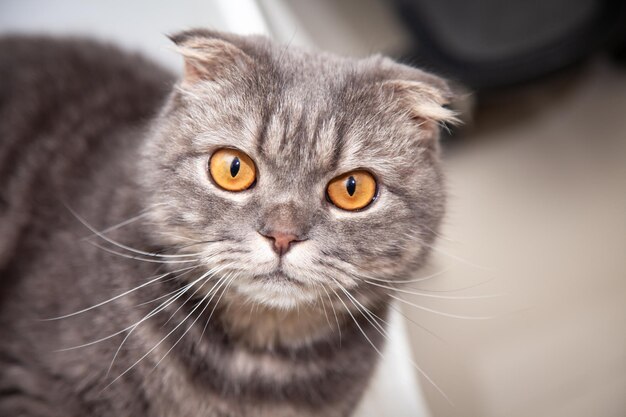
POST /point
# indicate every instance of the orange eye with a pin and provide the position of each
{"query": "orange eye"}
(353, 190)
(232, 170)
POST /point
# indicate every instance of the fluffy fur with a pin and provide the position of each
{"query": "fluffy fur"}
(105, 196)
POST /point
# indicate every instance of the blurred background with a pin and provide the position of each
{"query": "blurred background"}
(537, 180)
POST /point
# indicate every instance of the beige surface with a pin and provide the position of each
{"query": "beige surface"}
(538, 207)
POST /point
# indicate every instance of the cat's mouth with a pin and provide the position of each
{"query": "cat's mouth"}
(276, 288)
(277, 275)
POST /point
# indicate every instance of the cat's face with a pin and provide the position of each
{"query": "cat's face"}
(244, 153)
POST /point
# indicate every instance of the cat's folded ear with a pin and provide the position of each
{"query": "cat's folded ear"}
(209, 55)
(427, 99)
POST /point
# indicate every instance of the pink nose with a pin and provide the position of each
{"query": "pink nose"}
(281, 241)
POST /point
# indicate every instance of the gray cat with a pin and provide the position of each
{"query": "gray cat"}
(224, 245)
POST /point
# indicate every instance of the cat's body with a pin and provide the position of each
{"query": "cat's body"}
(79, 140)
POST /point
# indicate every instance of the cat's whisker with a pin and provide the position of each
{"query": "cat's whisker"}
(320, 299)
(360, 275)
(118, 225)
(206, 276)
(424, 328)
(441, 313)
(179, 237)
(117, 296)
(354, 318)
(139, 258)
(213, 292)
(428, 295)
(155, 311)
(414, 280)
(364, 310)
(439, 235)
(392, 306)
(358, 272)
(102, 339)
(234, 277)
(384, 334)
(154, 300)
(457, 258)
(121, 245)
(424, 292)
(188, 245)
(158, 344)
(143, 213)
(334, 312)
(467, 287)
(408, 318)
(171, 292)
(212, 272)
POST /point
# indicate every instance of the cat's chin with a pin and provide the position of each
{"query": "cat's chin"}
(276, 290)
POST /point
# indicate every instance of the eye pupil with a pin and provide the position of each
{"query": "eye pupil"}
(351, 185)
(234, 167)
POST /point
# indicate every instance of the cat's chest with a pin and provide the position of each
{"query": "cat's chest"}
(239, 383)
(177, 395)
(210, 372)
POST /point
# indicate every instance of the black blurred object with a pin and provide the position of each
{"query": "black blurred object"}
(486, 44)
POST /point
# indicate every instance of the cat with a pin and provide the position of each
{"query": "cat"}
(224, 244)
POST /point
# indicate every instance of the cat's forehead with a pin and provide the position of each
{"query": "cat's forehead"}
(326, 125)
(312, 114)
(323, 135)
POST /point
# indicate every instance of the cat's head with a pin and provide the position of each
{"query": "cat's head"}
(293, 174)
